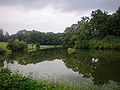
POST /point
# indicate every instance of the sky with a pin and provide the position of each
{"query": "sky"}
(48, 15)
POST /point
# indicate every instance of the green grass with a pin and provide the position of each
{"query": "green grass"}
(33, 48)
(30, 48)
(15, 81)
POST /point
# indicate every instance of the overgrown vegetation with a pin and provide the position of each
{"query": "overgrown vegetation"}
(2, 51)
(10, 81)
(2, 48)
(71, 50)
(31, 47)
(104, 43)
(99, 31)
(17, 46)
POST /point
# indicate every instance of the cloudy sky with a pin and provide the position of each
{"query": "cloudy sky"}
(48, 15)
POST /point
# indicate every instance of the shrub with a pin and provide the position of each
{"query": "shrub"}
(104, 43)
(37, 47)
(82, 44)
(17, 46)
(71, 50)
(2, 51)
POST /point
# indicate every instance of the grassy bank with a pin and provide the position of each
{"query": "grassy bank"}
(30, 46)
(10, 81)
(33, 48)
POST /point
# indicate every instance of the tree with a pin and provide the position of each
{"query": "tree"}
(1, 35)
(37, 47)
(6, 36)
(83, 33)
(98, 23)
(114, 23)
(67, 40)
(38, 37)
(17, 46)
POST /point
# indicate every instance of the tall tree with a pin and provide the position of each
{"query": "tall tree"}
(99, 22)
(1, 35)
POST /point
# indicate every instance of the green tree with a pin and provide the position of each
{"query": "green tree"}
(17, 46)
(37, 46)
(1, 35)
(98, 23)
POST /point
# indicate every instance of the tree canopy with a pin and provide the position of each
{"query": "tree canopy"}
(100, 27)
(48, 38)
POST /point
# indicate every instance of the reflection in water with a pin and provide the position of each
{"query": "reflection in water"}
(102, 66)
(55, 69)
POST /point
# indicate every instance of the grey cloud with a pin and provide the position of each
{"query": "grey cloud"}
(65, 5)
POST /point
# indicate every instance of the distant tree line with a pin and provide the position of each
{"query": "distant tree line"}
(37, 37)
(99, 31)
(3, 36)
(19, 42)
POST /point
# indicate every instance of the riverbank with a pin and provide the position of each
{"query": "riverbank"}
(15, 81)
(33, 48)
(30, 47)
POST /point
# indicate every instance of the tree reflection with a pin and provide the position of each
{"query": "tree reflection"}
(106, 68)
(102, 66)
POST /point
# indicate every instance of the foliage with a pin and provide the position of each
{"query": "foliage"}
(17, 46)
(71, 50)
(2, 51)
(104, 43)
(3, 37)
(37, 47)
(100, 31)
(38, 37)
(67, 40)
(10, 81)
(83, 44)
(31, 47)
(2, 47)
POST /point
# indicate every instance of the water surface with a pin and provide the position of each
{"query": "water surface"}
(98, 66)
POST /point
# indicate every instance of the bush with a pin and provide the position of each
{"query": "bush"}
(2, 51)
(71, 50)
(17, 46)
(82, 44)
(37, 47)
(104, 43)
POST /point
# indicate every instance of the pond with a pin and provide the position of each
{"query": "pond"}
(99, 66)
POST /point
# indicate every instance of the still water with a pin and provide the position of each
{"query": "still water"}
(99, 66)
